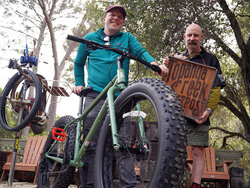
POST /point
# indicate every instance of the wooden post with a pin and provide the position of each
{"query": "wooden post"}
(13, 160)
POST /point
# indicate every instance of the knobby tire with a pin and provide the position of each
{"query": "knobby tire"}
(162, 164)
(52, 174)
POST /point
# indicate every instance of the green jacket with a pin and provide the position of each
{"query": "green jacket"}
(101, 64)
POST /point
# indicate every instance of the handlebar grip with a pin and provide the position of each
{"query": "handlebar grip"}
(156, 68)
(87, 42)
(76, 39)
(71, 37)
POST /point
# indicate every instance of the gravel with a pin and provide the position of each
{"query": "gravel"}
(4, 184)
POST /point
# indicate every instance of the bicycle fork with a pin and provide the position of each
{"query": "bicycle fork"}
(111, 93)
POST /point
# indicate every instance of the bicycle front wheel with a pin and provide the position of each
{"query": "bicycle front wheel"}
(20, 101)
(151, 135)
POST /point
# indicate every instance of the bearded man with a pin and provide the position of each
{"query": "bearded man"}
(197, 130)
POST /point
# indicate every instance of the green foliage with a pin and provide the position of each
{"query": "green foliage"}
(243, 17)
(231, 123)
(160, 25)
(3, 132)
(6, 134)
(231, 72)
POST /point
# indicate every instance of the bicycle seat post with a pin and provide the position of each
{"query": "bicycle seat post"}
(80, 105)
(82, 95)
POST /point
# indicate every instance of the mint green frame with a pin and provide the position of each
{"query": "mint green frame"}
(117, 84)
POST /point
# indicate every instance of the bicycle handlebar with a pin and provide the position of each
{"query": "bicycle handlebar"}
(129, 55)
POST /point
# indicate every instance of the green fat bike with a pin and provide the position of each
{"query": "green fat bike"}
(144, 124)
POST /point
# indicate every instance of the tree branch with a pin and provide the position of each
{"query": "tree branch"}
(20, 14)
(234, 24)
(52, 34)
(27, 18)
(38, 15)
(224, 141)
(242, 115)
(19, 31)
(230, 52)
(231, 134)
(73, 45)
(243, 15)
(248, 45)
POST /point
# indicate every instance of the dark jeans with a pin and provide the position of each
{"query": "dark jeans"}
(126, 163)
(87, 172)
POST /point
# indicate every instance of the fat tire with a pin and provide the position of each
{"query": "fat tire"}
(35, 107)
(63, 176)
(171, 150)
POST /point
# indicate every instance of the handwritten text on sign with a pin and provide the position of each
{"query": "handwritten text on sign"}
(192, 82)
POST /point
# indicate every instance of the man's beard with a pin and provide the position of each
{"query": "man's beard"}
(192, 45)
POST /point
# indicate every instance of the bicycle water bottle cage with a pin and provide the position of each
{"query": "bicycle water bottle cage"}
(58, 134)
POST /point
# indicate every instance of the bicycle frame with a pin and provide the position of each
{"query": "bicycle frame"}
(143, 129)
(117, 84)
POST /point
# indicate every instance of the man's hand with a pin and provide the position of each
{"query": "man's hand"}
(166, 61)
(77, 89)
(206, 114)
(164, 69)
(180, 56)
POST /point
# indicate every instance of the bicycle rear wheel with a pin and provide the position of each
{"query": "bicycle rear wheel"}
(52, 174)
(20, 101)
(151, 155)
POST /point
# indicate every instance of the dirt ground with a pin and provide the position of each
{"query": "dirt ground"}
(4, 184)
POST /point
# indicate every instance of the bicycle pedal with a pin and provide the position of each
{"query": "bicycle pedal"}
(58, 134)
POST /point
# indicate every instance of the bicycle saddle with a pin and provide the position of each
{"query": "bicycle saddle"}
(84, 91)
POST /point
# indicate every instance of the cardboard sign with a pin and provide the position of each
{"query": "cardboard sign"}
(192, 82)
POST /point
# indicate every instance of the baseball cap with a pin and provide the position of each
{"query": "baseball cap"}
(117, 7)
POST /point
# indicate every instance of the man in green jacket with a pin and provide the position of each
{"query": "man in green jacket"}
(101, 67)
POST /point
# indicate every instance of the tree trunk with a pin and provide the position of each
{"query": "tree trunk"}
(58, 68)
(25, 131)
